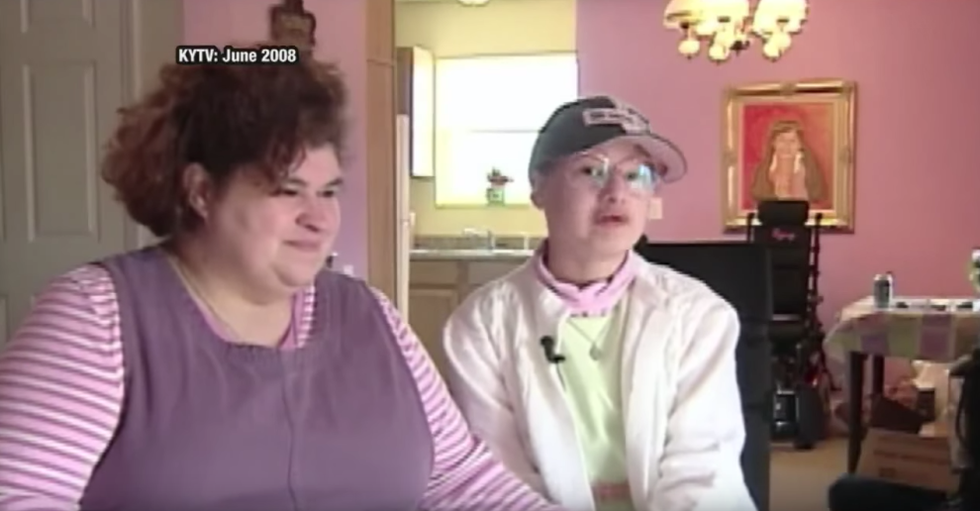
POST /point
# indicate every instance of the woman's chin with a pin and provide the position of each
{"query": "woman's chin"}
(297, 276)
(623, 234)
(612, 246)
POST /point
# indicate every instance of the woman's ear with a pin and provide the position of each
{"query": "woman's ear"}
(655, 209)
(537, 198)
(198, 189)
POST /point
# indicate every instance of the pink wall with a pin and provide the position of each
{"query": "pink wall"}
(918, 129)
(340, 38)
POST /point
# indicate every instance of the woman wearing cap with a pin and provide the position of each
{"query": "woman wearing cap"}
(604, 381)
(224, 370)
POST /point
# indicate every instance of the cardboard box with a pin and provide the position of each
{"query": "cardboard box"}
(899, 450)
(910, 459)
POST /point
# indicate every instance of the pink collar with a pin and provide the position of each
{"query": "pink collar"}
(592, 299)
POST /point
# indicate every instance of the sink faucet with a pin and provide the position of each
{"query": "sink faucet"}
(491, 240)
(525, 241)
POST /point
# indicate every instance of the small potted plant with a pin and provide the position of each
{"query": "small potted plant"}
(496, 191)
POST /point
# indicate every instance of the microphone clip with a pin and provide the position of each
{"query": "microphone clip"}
(550, 351)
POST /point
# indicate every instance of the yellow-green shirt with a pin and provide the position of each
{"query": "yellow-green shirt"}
(591, 375)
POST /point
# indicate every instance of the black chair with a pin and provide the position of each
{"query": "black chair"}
(968, 431)
(795, 332)
(740, 273)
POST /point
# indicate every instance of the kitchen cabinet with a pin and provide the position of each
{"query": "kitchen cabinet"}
(438, 285)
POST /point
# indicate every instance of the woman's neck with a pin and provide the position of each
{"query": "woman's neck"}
(586, 287)
(245, 311)
(580, 272)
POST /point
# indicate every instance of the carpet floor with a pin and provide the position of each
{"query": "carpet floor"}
(799, 479)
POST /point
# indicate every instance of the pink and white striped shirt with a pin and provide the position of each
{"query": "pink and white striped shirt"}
(61, 395)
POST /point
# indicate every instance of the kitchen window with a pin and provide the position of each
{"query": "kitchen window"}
(488, 113)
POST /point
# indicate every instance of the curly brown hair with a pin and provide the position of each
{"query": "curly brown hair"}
(224, 118)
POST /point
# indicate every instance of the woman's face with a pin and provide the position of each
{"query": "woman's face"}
(787, 144)
(598, 201)
(279, 236)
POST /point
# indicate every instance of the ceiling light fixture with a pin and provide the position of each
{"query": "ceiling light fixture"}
(727, 26)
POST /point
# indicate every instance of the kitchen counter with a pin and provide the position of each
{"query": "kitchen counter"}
(469, 254)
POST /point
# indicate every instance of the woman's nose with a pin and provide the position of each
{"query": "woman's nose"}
(616, 188)
(315, 214)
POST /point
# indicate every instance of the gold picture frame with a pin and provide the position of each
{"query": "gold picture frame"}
(290, 24)
(802, 131)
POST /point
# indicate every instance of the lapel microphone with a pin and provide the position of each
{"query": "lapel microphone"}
(548, 345)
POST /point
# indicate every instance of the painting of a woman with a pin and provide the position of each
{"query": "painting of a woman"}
(788, 170)
(789, 141)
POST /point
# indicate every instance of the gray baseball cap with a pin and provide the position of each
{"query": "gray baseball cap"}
(585, 123)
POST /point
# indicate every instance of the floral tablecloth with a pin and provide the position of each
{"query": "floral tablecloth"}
(919, 332)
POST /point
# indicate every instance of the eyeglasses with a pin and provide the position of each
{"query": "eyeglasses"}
(597, 172)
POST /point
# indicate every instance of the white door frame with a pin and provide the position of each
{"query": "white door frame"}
(387, 209)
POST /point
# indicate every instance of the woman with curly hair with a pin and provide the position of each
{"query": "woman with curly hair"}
(224, 369)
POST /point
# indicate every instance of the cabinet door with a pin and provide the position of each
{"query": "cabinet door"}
(429, 308)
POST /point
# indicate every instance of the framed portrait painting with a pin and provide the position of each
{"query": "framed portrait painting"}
(792, 141)
(292, 25)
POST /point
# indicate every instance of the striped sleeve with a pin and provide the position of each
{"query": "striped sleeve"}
(465, 475)
(61, 394)
(61, 391)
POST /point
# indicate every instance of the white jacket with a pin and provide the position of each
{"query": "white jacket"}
(683, 415)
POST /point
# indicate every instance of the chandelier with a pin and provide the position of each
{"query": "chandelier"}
(474, 2)
(727, 26)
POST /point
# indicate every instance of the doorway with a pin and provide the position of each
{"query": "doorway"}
(65, 68)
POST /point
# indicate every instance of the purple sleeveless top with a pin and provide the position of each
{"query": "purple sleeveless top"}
(207, 425)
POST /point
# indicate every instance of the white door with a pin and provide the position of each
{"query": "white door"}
(61, 80)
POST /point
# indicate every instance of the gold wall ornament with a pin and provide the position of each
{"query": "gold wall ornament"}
(728, 27)
(789, 141)
(292, 25)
